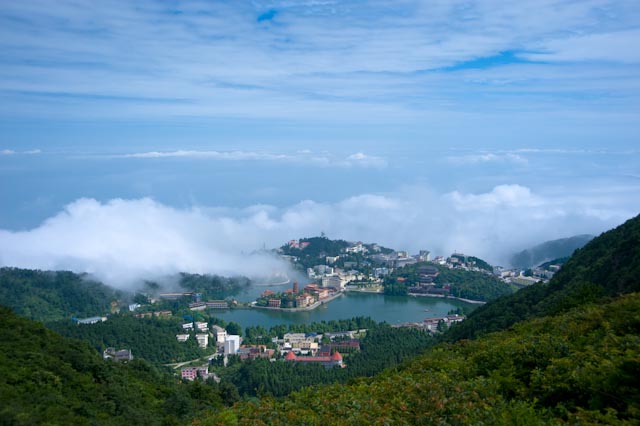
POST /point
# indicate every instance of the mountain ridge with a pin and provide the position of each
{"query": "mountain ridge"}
(549, 250)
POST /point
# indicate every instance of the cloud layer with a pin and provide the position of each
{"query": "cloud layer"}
(123, 241)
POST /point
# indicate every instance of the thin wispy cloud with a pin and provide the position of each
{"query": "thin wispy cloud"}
(487, 158)
(323, 159)
(308, 60)
(13, 152)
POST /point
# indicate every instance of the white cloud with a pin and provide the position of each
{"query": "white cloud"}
(121, 241)
(324, 159)
(13, 152)
(487, 158)
(364, 160)
(502, 196)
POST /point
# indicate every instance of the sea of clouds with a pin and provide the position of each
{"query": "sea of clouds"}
(123, 242)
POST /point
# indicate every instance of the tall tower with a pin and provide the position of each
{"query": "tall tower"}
(295, 287)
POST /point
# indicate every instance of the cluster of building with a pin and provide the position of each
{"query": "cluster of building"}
(151, 314)
(90, 320)
(294, 347)
(328, 276)
(522, 278)
(425, 285)
(229, 343)
(295, 298)
(201, 330)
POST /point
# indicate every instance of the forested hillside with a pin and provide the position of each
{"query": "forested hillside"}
(153, 339)
(46, 379)
(50, 296)
(466, 284)
(606, 267)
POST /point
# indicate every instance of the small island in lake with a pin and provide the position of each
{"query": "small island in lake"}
(294, 299)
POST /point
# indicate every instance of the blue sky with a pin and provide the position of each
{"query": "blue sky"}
(485, 125)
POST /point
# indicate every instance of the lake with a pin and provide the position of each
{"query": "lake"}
(392, 309)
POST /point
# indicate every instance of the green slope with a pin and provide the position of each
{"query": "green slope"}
(580, 367)
(46, 379)
(606, 267)
(50, 296)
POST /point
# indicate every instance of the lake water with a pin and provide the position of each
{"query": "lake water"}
(392, 309)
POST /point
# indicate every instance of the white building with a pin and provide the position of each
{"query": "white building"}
(323, 270)
(182, 337)
(332, 259)
(356, 248)
(332, 281)
(232, 344)
(203, 340)
(219, 333)
(202, 326)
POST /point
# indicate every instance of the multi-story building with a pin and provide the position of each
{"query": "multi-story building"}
(231, 344)
(217, 304)
(189, 373)
(219, 333)
(197, 306)
(203, 340)
(275, 303)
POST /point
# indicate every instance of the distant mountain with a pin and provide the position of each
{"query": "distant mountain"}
(549, 250)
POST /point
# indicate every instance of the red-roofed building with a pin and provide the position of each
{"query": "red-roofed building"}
(327, 361)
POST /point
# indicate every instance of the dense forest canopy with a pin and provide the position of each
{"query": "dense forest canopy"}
(51, 296)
